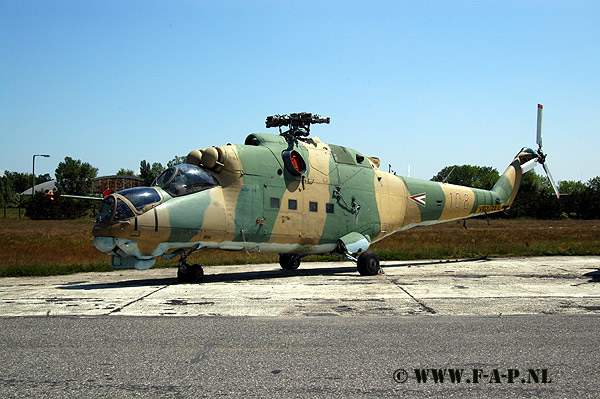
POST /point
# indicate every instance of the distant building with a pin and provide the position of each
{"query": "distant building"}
(42, 187)
(115, 183)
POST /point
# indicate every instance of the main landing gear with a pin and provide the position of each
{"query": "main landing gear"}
(189, 273)
(367, 263)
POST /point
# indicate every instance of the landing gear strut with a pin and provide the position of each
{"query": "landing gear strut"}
(187, 273)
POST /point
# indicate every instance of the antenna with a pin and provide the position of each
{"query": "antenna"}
(448, 175)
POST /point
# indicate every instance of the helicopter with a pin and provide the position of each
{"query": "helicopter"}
(290, 194)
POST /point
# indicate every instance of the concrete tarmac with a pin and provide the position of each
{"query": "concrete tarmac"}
(490, 286)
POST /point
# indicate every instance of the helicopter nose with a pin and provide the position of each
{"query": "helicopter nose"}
(104, 244)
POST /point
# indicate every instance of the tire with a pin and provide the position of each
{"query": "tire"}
(190, 274)
(183, 274)
(289, 261)
(368, 264)
(196, 273)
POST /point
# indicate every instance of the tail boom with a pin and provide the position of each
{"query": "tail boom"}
(427, 202)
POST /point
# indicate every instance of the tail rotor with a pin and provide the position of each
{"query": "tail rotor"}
(541, 157)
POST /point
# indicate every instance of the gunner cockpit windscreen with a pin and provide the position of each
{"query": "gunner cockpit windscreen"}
(127, 203)
(185, 179)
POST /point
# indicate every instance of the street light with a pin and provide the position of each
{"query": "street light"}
(33, 171)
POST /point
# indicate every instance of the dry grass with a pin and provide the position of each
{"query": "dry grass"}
(502, 237)
(54, 247)
(46, 242)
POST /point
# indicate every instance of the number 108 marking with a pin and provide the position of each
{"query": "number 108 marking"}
(457, 200)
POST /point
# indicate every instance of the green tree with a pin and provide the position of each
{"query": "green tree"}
(42, 206)
(535, 199)
(573, 198)
(22, 181)
(483, 177)
(176, 161)
(581, 200)
(75, 177)
(571, 187)
(592, 199)
(125, 172)
(148, 172)
(8, 195)
(145, 172)
(594, 183)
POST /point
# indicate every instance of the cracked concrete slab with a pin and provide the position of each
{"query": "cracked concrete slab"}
(494, 286)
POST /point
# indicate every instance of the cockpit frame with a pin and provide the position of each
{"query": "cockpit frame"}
(184, 179)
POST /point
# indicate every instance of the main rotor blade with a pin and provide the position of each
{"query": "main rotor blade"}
(551, 180)
(539, 125)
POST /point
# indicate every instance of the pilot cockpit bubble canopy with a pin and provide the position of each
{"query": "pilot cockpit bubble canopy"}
(185, 179)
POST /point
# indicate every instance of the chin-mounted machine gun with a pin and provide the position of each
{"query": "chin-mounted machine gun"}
(299, 123)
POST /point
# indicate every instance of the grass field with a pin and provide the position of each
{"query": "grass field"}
(46, 247)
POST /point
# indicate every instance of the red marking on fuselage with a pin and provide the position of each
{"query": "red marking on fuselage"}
(419, 198)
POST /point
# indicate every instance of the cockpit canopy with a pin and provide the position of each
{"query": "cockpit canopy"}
(123, 203)
(185, 179)
(177, 181)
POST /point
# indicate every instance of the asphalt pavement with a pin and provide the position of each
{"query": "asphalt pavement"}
(471, 328)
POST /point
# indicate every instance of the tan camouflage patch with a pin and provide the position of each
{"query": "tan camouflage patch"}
(459, 202)
(391, 194)
(153, 233)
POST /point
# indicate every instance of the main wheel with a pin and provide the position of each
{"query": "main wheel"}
(289, 261)
(368, 264)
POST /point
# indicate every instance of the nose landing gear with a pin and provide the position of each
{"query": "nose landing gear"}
(289, 261)
(189, 273)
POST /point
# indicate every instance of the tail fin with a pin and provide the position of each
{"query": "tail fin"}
(507, 186)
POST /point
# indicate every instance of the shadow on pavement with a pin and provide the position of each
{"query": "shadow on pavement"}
(234, 277)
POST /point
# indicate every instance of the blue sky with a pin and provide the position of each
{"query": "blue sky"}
(425, 83)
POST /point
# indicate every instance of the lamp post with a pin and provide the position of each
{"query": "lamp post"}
(33, 171)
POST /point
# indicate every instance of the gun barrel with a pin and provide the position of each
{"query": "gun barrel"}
(320, 119)
(296, 120)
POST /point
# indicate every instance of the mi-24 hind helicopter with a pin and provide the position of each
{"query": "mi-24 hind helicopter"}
(290, 194)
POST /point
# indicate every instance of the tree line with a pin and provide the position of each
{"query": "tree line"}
(73, 177)
(535, 199)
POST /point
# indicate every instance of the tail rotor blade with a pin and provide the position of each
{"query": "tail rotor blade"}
(541, 157)
(539, 125)
(551, 180)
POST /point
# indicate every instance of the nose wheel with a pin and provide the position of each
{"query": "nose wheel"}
(189, 273)
(289, 261)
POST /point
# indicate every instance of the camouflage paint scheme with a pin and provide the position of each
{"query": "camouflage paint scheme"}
(341, 203)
